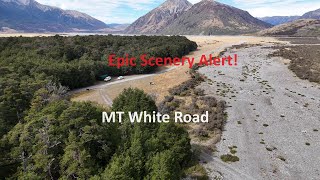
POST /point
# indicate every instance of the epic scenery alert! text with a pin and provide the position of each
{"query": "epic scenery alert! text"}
(145, 60)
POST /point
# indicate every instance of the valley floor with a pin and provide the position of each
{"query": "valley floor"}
(273, 119)
(272, 115)
(173, 76)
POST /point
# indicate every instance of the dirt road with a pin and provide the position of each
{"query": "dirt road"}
(171, 77)
(273, 119)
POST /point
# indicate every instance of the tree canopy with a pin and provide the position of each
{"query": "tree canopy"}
(59, 139)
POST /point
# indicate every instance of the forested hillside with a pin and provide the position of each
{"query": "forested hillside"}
(29, 64)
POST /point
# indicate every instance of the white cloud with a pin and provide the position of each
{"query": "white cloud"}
(290, 10)
(109, 11)
(256, 2)
(261, 8)
(194, 1)
(279, 8)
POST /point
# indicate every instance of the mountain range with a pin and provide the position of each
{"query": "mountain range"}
(31, 16)
(118, 26)
(300, 27)
(312, 15)
(276, 20)
(210, 17)
(159, 18)
(173, 17)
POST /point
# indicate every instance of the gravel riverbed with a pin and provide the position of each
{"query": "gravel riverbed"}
(273, 119)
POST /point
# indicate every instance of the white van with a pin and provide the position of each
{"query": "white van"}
(108, 79)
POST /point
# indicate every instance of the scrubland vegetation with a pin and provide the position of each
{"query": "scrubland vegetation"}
(305, 61)
(189, 99)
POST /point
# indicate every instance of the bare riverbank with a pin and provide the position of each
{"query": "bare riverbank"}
(273, 119)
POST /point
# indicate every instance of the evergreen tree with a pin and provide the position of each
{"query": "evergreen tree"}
(76, 162)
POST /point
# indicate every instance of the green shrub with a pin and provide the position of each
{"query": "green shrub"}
(229, 158)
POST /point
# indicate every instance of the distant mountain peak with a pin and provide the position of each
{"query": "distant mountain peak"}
(31, 16)
(214, 4)
(276, 20)
(174, 1)
(20, 2)
(157, 19)
(300, 27)
(174, 6)
(209, 17)
(211, 2)
(312, 15)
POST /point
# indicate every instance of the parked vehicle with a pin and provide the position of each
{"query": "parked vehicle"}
(102, 77)
(120, 77)
(107, 79)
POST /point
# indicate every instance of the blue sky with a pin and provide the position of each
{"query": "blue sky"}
(127, 11)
